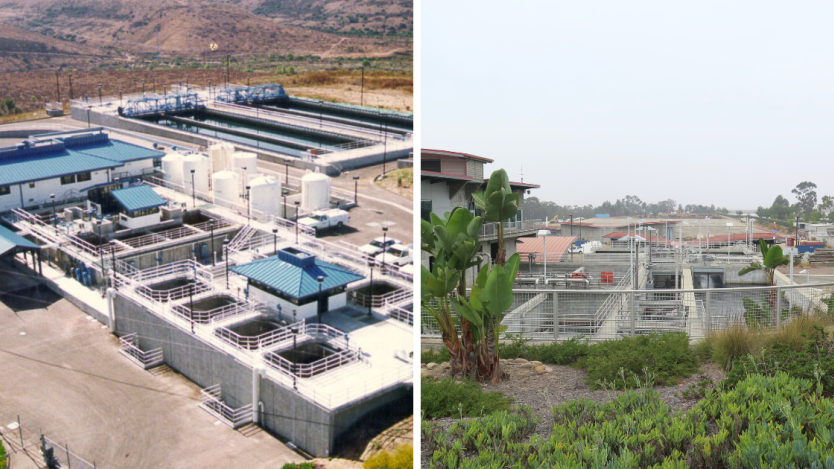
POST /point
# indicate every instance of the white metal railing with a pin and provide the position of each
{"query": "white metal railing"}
(210, 401)
(128, 346)
(379, 301)
(510, 227)
(308, 370)
(401, 314)
(254, 343)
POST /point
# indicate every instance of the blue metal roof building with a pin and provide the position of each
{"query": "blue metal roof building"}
(11, 241)
(49, 157)
(293, 274)
(138, 198)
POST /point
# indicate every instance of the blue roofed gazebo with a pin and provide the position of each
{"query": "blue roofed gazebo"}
(292, 280)
(139, 206)
(12, 243)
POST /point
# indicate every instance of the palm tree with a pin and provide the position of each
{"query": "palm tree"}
(772, 258)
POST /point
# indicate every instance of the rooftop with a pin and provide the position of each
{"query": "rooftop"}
(138, 198)
(455, 154)
(9, 240)
(295, 273)
(58, 155)
(556, 247)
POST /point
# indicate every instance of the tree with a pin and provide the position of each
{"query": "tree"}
(772, 258)
(806, 196)
(826, 204)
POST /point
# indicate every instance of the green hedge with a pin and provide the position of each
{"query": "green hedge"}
(773, 422)
(450, 398)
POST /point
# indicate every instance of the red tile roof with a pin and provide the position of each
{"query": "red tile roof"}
(455, 153)
(557, 246)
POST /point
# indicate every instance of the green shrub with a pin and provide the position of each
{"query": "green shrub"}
(763, 422)
(401, 458)
(431, 356)
(813, 360)
(734, 343)
(304, 465)
(449, 398)
(660, 358)
(557, 353)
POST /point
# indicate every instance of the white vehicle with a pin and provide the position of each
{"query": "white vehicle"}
(395, 255)
(378, 245)
(324, 219)
(408, 269)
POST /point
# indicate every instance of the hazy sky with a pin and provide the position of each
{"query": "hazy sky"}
(726, 103)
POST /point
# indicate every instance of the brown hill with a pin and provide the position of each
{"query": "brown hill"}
(21, 49)
(187, 27)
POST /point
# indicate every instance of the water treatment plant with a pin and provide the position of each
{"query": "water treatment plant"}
(196, 260)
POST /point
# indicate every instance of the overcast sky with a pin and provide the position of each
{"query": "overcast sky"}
(725, 103)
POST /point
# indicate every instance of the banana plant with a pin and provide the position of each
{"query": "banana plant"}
(491, 296)
(498, 203)
(772, 259)
(453, 242)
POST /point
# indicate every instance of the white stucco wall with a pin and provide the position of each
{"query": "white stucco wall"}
(39, 194)
(302, 312)
(139, 222)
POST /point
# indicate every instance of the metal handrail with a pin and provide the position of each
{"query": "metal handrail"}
(210, 400)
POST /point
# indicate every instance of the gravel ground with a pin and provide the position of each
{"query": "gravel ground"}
(564, 384)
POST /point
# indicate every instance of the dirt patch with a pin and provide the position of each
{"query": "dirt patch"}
(399, 181)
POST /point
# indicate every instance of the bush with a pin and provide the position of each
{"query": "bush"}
(557, 353)
(763, 422)
(449, 398)
(401, 458)
(812, 360)
(304, 465)
(732, 344)
(430, 356)
(659, 358)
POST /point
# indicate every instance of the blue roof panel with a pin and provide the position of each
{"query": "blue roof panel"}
(119, 151)
(15, 170)
(10, 240)
(294, 280)
(138, 198)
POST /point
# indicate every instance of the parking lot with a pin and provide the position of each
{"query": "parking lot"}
(62, 373)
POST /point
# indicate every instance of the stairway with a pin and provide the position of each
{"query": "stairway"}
(242, 238)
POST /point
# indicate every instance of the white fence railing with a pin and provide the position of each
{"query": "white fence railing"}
(129, 347)
(210, 401)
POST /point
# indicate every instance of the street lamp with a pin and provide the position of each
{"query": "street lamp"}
(113, 261)
(544, 234)
(284, 195)
(54, 216)
(165, 88)
(321, 281)
(226, 256)
(384, 243)
(275, 239)
(99, 95)
(680, 247)
(356, 189)
(297, 203)
(143, 87)
(191, 311)
(193, 191)
(371, 287)
(248, 206)
(706, 222)
(729, 225)
(213, 255)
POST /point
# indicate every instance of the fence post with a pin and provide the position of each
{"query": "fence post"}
(778, 315)
(633, 316)
(556, 316)
(707, 310)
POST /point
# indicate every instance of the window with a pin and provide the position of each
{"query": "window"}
(5, 190)
(425, 210)
(68, 179)
(31, 185)
(84, 177)
(430, 165)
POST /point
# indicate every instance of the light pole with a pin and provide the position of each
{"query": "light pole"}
(284, 195)
(113, 261)
(191, 308)
(320, 280)
(54, 216)
(143, 87)
(628, 238)
(371, 287)
(99, 95)
(356, 189)
(544, 234)
(193, 191)
(153, 78)
(213, 255)
(297, 203)
(384, 243)
(680, 253)
(729, 225)
(248, 206)
(275, 240)
(226, 257)
(706, 222)
(165, 89)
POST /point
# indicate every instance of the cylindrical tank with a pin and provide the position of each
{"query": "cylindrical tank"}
(217, 155)
(172, 168)
(265, 196)
(225, 187)
(315, 191)
(199, 164)
(242, 159)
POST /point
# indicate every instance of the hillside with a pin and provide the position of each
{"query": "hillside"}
(21, 49)
(187, 27)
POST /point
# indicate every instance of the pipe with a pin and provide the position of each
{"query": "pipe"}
(256, 392)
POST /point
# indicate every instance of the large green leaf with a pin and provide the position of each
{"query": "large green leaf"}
(512, 266)
(466, 311)
(763, 247)
(498, 291)
(750, 268)
(775, 258)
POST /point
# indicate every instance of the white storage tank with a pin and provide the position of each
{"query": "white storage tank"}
(217, 155)
(265, 196)
(225, 188)
(172, 168)
(242, 159)
(199, 164)
(315, 191)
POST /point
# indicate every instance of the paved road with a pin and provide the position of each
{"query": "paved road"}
(61, 372)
